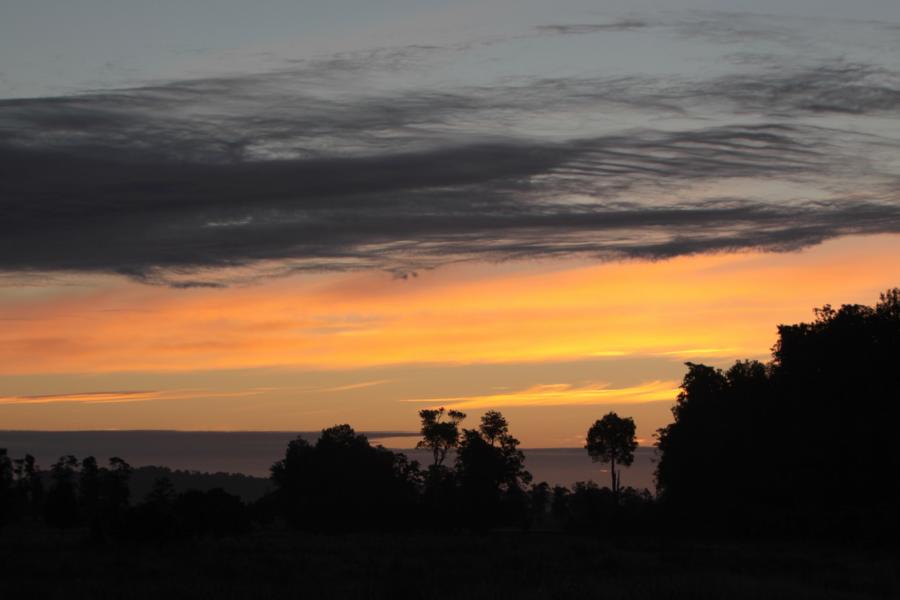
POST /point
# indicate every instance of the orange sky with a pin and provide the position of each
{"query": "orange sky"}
(530, 338)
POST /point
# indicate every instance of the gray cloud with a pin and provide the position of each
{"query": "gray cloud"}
(583, 28)
(187, 183)
(839, 87)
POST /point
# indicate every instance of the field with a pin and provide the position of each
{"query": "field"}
(499, 565)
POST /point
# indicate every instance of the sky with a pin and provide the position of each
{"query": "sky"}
(286, 215)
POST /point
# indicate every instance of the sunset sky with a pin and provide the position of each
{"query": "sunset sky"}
(214, 217)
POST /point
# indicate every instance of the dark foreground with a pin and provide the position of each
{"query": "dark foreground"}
(501, 565)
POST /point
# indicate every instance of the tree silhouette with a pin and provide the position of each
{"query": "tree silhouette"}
(162, 493)
(491, 472)
(154, 518)
(115, 484)
(29, 485)
(61, 506)
(343, 483)
(611, 440)
(493, 426)
(832, 380)
(439, 435)
(539, 497)
(6, 486)
(89, 491)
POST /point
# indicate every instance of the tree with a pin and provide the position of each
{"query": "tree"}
(89, 490)
(491, 473)
(540, 496)
(29, 484)
(103, 494)
(342, 483)
(116, 492)
(833, 378)
(439, 435)
(162, 494)
(61, 507)
(493, 426)
(6, 481)
(611, 440)
(491, 447)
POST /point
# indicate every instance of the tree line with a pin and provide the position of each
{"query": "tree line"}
(802, 445)
(339, 483)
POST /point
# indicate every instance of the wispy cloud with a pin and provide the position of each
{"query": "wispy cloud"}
(584, 28)
(112, 397)
(563, 394)
(694, 352)
(354, 386)
(123, 397)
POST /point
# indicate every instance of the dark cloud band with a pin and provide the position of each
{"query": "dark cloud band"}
(173, 183)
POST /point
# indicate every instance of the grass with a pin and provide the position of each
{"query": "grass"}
(50, 564)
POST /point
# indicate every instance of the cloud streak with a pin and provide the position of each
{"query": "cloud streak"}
(122, 397)
(563, 394)
(585, 28)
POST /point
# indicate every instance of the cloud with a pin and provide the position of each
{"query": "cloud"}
(563, 394)
(583, 28)
(837, 87)
(204, 182)
(354, 386)
(83, 398)
(122, 397)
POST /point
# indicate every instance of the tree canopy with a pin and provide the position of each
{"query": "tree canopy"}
(611, 440)
(440, 435)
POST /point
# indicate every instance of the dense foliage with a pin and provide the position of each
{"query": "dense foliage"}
(803, 444)
(344, 483)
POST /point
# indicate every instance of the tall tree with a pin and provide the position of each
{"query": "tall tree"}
(611, 440)
(439, 435)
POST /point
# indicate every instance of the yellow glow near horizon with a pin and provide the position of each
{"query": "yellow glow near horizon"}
(710, 305)
(537, 340)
